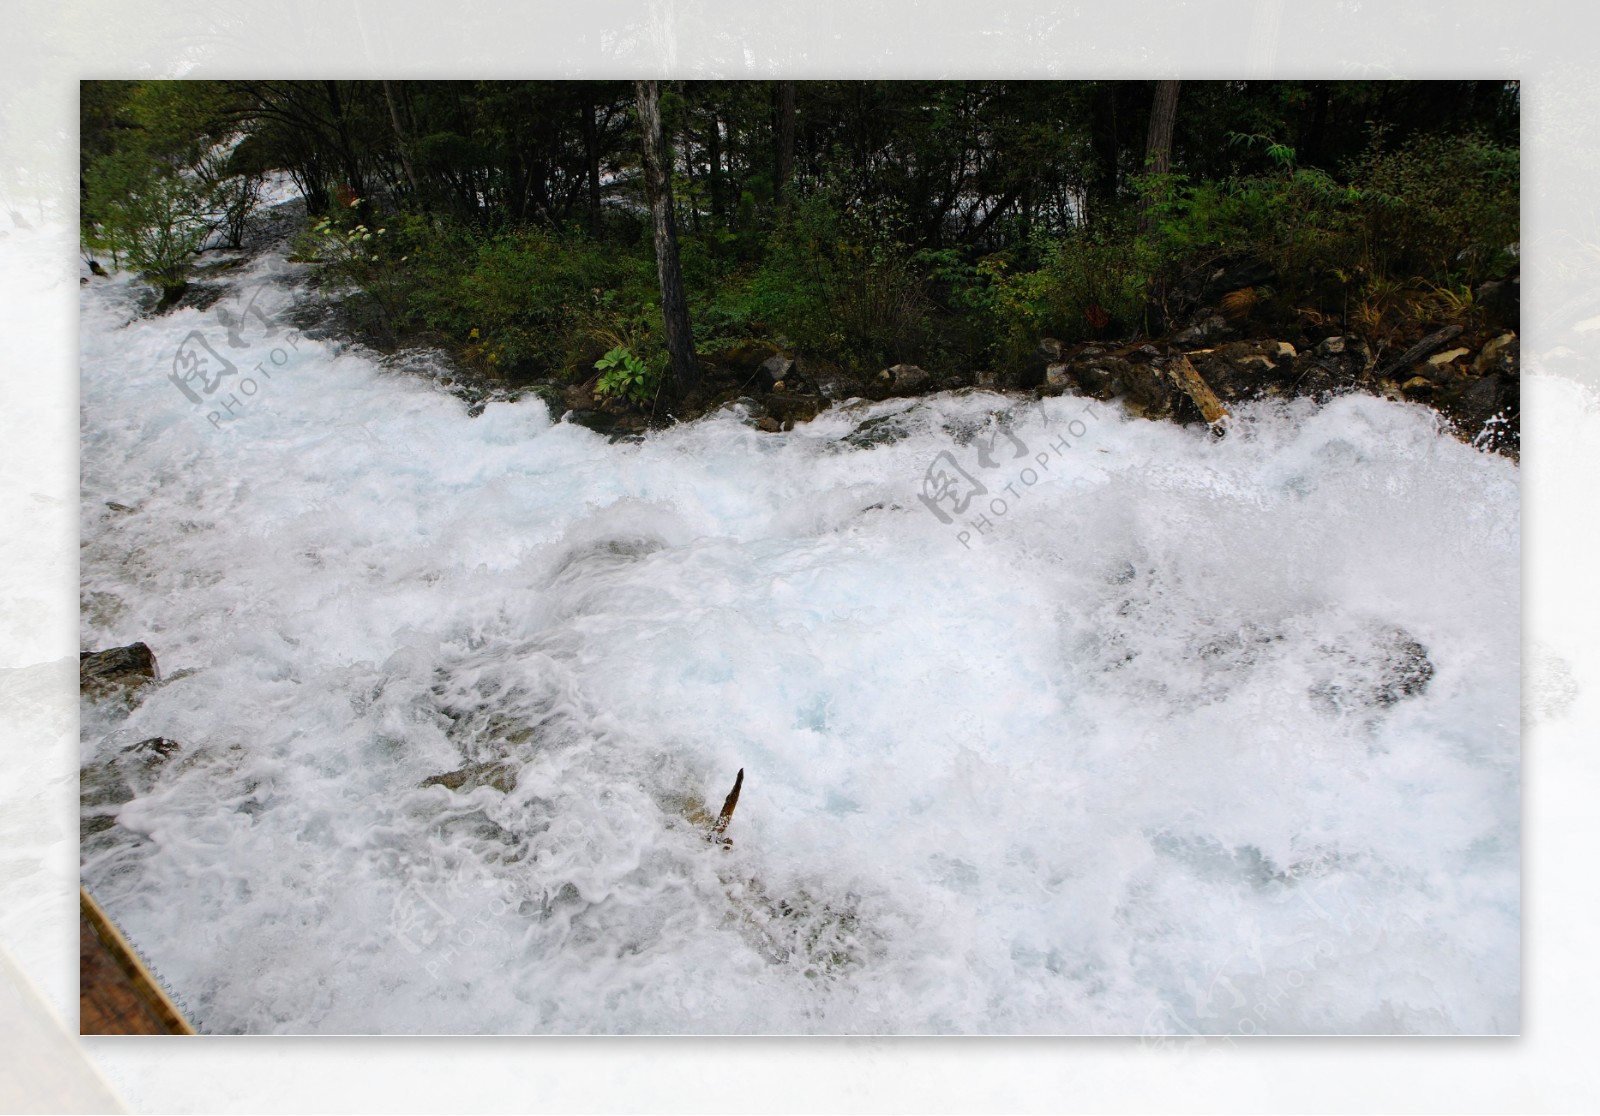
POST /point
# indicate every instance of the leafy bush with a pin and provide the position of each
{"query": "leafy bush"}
(624, 376)
(1445, 208)
(1087, 281)
(836, 286)
(521, 303)
(145, 214)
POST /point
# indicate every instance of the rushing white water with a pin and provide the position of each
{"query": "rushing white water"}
(1155, 751)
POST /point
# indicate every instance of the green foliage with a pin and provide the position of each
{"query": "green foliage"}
(624, 376)
(1087, 281)
(836, 283)
(158, 180)
(949, 224)
(146, 215)
(520, 303)
(1442, 207)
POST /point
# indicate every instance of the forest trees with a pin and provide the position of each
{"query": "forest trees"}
(944, 223)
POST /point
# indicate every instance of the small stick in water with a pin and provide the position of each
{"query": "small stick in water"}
(727, 806)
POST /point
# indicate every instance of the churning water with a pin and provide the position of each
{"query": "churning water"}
(1177, 736)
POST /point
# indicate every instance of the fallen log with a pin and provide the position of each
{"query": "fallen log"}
(1421, 349)
(1195, 387)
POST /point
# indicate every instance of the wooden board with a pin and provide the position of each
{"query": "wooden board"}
(117, 994)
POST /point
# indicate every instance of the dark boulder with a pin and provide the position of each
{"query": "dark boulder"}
(119, 671)
(777, 368)
(885, 430)
(789, 408)
(828, 380)
(1208, 328)
(1137, 373)
(554, 400)
(903, 379)
(1486, 411)
(1337, 363)
(105, 787)
(601, 422)
(1500, 301)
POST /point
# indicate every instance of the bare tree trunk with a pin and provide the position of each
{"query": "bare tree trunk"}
(1158, 161)
(591, 150)
(714, 153)
(658, 189)
(347, 154)
(785, 138)
(400, 141)
(1158, 142)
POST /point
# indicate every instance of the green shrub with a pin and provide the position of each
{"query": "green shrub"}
(145, 214)
(836, 284)
(1086, 281)
(530, 301)
(624, 375)
(1445, 208)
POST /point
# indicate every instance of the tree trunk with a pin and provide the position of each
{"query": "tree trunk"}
(591, 151)
(1158, 142)
(785, 140)
(401, 142)
(714, 154)
(347, 154)
(658, 189)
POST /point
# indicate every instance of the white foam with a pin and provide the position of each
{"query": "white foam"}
(1115, 763)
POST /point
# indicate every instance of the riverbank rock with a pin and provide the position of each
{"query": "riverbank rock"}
(1209, 328)
(1338, 363)
(1243, 370)
(1414, 357)
(788, 408)
(1500, 300)
(119, 671)
(601, 422)
(903, 379)
(776, 368)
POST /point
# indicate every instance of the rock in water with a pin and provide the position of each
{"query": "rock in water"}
(1379, 670)
(499, 774)
(120, 670)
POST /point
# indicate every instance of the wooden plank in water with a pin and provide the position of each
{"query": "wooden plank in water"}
(117, 994)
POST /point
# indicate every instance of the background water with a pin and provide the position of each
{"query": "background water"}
(1153, 752)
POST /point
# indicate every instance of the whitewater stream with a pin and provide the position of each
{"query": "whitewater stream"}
(1052, 720)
